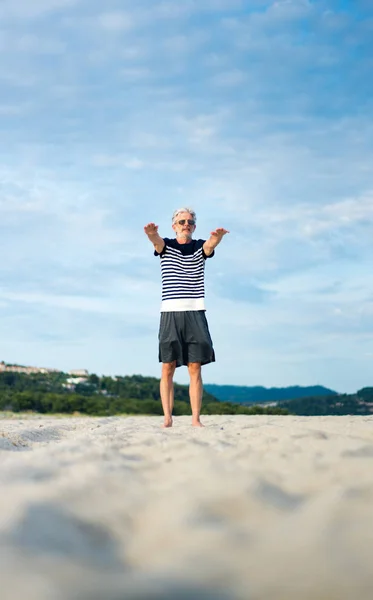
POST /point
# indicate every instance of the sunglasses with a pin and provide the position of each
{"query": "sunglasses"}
(183, 221)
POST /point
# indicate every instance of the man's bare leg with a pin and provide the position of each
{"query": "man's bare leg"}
(167, 391)
(195, 392)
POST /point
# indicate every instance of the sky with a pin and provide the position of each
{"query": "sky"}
(255, 113)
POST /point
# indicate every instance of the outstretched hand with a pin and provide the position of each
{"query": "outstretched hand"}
(219, 232)
(215, 239)
(151, 229)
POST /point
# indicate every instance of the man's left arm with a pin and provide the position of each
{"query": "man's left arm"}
(215, 239)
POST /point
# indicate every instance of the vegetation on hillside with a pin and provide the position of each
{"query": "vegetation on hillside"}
(60, 393)
(54, 393)
(360, 403)
(259, 394)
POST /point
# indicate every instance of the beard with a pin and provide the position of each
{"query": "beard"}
(185, 235)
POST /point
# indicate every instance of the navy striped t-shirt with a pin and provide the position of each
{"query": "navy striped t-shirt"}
(183, 275)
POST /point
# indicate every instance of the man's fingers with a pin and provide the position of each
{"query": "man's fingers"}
(220, 231)
(150, 227)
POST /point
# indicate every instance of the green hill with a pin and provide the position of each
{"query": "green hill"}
(60, 393)
(259, 394)
(360, 403)
(57, 393)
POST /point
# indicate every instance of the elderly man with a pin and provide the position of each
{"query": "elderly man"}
(184, 337)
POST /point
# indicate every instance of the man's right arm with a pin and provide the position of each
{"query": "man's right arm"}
(151, 231)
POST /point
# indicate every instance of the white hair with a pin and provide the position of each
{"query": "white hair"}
(183, 210)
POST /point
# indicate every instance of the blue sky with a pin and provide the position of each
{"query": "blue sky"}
(258, 114)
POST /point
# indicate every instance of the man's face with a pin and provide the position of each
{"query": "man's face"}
(184, 225)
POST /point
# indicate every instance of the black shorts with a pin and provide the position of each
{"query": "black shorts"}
(184, 337)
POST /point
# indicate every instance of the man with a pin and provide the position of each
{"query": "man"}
(184, 337)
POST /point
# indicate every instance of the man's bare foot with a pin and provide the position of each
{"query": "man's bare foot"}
(197, 423)
(167, 422)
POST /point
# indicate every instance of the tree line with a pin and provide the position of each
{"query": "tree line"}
(139, 395)
(103, 396)
(360, 403)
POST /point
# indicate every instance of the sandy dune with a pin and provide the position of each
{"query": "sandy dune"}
(254, 508)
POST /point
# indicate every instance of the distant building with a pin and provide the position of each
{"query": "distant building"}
(76, 380)
(28, 370)
(79, 373)
(4, 367)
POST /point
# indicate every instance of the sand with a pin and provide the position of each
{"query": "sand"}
(250, 507)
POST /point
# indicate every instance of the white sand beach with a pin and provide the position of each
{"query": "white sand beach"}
(250, 507)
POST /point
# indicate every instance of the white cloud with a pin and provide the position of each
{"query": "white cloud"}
(168, 9)
(134, 163)
(229, 78)
(110, 160)
(36, 8)
(14, 110)
(172, 10)
(182, 44)
(200, 128)
(110, 304)
(14, 78)
(133, 52)
(312, 220)
(116, 21)
(135, 74)
(290, 9)
(31, 43)
(351, 211)
(215, 60)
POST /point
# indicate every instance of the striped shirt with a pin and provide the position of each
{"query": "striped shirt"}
(183, 275)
